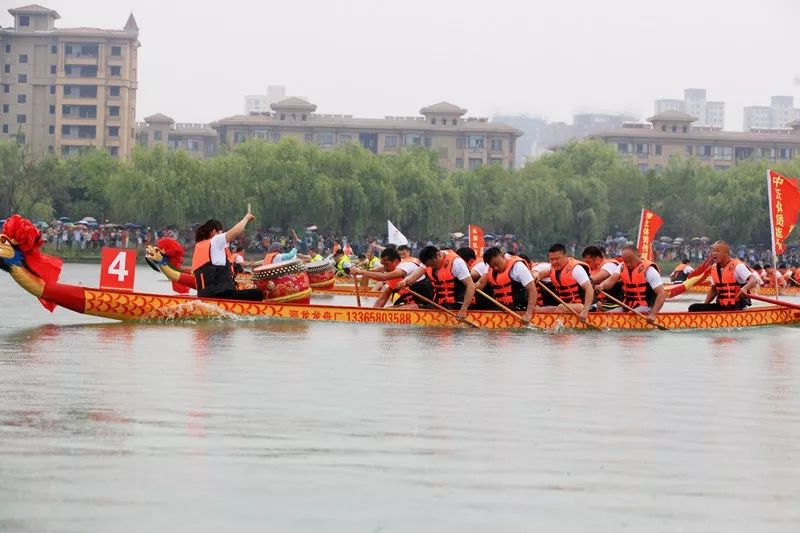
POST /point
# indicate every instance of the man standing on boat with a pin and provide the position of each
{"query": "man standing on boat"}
(731, 281)
(395, 270)
(511, 281)
(642, 287)
(212, 262)
(452, 283)
(570, 279)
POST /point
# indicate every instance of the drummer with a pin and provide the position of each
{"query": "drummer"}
(275, 254)
(212, 263)
(395, 270)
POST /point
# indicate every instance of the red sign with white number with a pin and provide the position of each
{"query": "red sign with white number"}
(117, 269)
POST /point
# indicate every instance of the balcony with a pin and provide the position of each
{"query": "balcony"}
(73, 133)
(73, 71)
(81, 60)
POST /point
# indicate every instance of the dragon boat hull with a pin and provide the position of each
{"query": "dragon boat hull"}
(764, 291)
(125, 306)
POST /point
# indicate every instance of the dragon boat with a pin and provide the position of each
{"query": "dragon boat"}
(38, 274)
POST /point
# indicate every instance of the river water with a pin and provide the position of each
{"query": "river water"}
(283, 426)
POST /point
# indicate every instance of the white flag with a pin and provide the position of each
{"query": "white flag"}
(395, 236)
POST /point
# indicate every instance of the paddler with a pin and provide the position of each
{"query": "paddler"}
(452, 283)
(570, 280)
(212, 263)
(600, 269)
(405, 254)
(238, 260)
(477, 269)
(369, 261)
(770, 275)
(731, 281)
(395, 269)
(511, 281)
(642, 287)
(682, 271)
(342, 263)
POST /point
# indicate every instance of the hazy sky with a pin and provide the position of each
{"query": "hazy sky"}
(371, 58)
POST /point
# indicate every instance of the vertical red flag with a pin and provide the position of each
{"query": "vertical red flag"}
(649, 225)
(784, 207)
(476, 241)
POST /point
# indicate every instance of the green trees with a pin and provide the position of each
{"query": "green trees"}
(581, 193)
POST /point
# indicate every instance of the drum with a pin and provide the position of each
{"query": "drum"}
(321, 274)
(283, 282)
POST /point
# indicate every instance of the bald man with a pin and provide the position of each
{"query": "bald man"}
(731, 281)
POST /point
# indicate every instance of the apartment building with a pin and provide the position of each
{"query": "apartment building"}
(695, 103)
(460, 142)
(672, 133)
(199, 140)
(778, 114)
(64, 89)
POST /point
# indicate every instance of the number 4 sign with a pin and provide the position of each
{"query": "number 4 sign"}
(117, 269)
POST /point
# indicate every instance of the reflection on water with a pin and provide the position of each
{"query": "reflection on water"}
(254, 425)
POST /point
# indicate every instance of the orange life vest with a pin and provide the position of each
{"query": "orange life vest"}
(680, 268)
(446, 288)
(211, 279)
(505, 290)
(269, 258)
(726, 285)
(635, 288)
(566, 287)
(615, 291)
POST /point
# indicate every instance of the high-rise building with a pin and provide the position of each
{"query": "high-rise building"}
(695, 104)
(778, 114)
(64, 89)
(259, 103)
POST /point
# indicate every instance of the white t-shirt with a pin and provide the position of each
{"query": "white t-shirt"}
(239, 259)
(481, 268)
(611, 268)
(653, 278)
(460, 269)
(544, 269)
(521, 274)
(218, 245)
(408, 267)
(688, 270)
(740, 274)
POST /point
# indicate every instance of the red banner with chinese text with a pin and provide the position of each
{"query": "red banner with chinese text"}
(649, 225)
(784, 206)
(476, 241)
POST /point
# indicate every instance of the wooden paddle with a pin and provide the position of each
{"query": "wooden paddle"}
(570, 309)
(441, 308)
(632, 310)
(506, 309)
(773, 301)
(358, 294)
